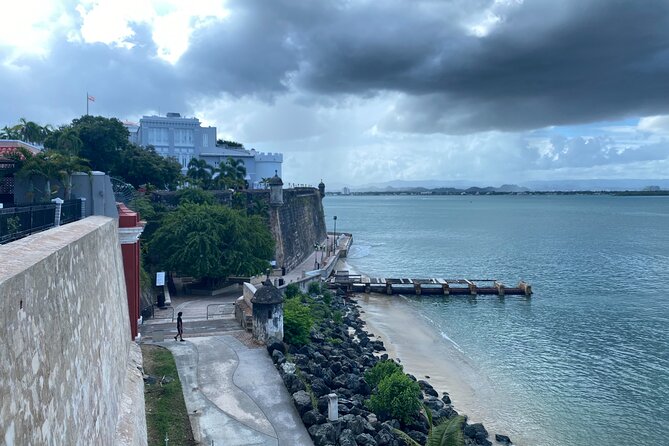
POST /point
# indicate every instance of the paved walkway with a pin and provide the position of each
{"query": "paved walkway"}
(233, 392)
(234, 395)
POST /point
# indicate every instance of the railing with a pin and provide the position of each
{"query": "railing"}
(25, 219)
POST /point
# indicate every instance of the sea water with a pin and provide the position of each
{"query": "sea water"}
(585, 360)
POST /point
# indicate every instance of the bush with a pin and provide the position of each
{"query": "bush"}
(314, 288)
(381, 370)
(297, 322)
(397, 396)
(292, 290)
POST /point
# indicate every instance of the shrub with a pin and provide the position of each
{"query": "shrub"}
(327, 297)
(314, 288)
(297, 322)
(381, 370)
(397, 396)
(292, 290)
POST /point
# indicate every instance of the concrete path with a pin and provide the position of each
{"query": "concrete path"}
(234, 395)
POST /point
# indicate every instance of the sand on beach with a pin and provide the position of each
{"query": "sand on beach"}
(424, 352)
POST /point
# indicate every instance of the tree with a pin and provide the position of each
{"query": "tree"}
(199, 173)
(40, 166)
(195, 195)
(212, 242)
(447, 433)
(231, 175)
(146, 166)
(67, 164)
(102, 140)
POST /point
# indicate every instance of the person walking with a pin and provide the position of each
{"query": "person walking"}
(180, 327)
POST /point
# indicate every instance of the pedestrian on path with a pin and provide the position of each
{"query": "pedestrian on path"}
(180, 328)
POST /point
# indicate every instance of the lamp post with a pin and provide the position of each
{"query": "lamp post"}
(334, 241)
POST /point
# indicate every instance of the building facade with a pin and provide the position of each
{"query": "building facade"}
(185, 138)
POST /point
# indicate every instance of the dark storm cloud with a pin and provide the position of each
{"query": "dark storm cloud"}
(545, 62)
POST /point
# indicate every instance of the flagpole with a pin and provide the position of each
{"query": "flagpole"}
(87, 103)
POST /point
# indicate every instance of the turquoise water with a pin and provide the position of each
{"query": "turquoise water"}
(585, 361)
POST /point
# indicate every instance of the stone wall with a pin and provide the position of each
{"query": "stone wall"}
(65, 346)
(297, 225)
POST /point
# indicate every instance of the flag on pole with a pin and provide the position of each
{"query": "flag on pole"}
(91, 98)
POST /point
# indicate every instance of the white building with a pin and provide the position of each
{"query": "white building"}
(185, 138)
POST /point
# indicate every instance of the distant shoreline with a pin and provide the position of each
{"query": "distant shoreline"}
(484, 191)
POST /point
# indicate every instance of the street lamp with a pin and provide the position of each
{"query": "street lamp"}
(334, 241)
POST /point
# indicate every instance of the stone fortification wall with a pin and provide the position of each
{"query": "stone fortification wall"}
(64, 318)
(297, 225)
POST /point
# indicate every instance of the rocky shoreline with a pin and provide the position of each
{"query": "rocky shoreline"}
(335, 362)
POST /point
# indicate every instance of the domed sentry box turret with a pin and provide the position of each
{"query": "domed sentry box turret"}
(267, 313)
(275, 190)
(321, 188)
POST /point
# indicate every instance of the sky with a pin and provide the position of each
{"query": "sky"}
(357, 92)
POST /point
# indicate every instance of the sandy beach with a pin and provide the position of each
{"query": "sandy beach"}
(425, 354)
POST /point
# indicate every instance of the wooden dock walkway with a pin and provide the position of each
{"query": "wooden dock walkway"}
(361, 284)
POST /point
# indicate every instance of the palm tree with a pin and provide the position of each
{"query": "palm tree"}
(231, 174)
(67, 164)
(446, 433)
(9, 133)
(200, 172)
(39, 166)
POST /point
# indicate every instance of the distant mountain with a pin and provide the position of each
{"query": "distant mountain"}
(527, 186)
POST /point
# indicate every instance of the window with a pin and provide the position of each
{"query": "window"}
(183, 137)
(158, 136)
(205, 140)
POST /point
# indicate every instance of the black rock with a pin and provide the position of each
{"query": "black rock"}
(353, 423)
(478, 433)
(275, 344)
(347, 438)
(278, 357)
(446, 399)
(419, 437)
(293, 383)
(434, 403)
(385, 438)
(312, 417)
(319, 388)
(323, 434)
(365, 440)
(302, 402)
(502, 439)
(427, 388)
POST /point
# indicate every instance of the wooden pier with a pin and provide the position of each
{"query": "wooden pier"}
(360, 284)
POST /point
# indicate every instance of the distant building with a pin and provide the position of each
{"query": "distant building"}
(184, 139)
(346, 191)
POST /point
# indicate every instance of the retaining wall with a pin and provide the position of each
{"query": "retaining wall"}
(64, 349)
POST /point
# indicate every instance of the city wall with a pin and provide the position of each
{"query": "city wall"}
(297, 225)
(68, 373)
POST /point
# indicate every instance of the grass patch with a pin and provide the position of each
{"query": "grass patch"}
(165, 408)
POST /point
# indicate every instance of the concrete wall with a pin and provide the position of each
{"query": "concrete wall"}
(64, 315)
(96, 188)
(297, 225)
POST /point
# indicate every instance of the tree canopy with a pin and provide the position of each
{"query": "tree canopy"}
(212, 242)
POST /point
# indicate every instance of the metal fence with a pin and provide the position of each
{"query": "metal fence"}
(25, 219)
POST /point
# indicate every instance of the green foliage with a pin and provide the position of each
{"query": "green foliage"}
(327, 297)
(397, 396)
(448, 433)
(314, 288)
(195, 195)
(143, 166)
(229, 143)
(297, 322)
(212, 242)
(334, 341)
(337, 317)
(291, 291)
(381, 370)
